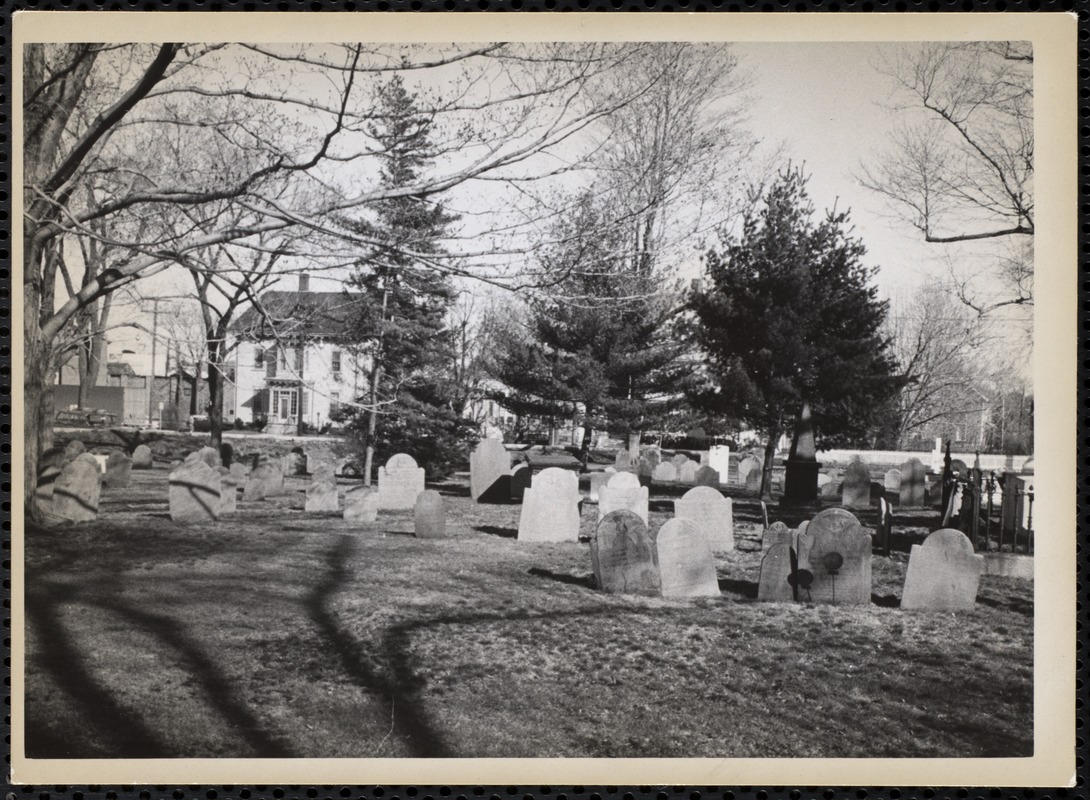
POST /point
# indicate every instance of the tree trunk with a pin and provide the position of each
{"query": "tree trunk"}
(376, 375)
(37, 397)
(584, 446)
(766, 470)
(215, 398)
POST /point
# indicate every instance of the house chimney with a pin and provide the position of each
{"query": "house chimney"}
(304, 282)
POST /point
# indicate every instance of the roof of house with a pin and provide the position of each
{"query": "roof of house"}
(288, 314)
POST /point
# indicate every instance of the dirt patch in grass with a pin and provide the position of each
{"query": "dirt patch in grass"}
(280, 634)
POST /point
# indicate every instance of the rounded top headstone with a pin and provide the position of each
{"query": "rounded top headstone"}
(557, 478)
(833, 519)
(624, 480)
(946, 539)
(704, 493)
(620, 521)
(399, 462)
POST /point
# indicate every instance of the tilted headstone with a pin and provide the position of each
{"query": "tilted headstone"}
(665, 472)
(210, 456)
(712, 511)
(489, 472)
(399, 482)
(265, 480)
(892, 480)
(719, 460)
(142, 457)
(550, 507)
(118, 471)
(686, 473)
(943, 573)
(774, 583)
(73, 449)
(322, 491)
(835, 551)
(855, 491)
(228, 491)
(77, 489)
(624, 556)
(686, 563)
(623, 491)
(361, 505)
(597, 481)
(913, 487)
(706, 476)
(194, 493)
(520, 479)
(429, 515)
(776, 533)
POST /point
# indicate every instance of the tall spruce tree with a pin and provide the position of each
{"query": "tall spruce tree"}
(599, 341)
(789, 315)
(402, 320)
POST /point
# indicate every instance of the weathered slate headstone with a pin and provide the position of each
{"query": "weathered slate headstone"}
(686, 563)
(322, 491)
(653, 455)
(665, 472)
(679, 461)
(210, 456)
(645, 469)
(228, 491)
(753, 480)
(361, 505)
(776, 533)
(265, 480)
(227, 454)
(624, 556)
(399, 482)
(520, 479)
(855, 490)
(77, 489)
(142, 457)
(706, 476)
(774, 583)
(550, 507)
(892, 480)
(747, 465)
(712, 511)
(194, 493)
(118, 471)
(429, 515)
(943, 573)
(835, 551)
(623, 461)
(687, 472)
(240, 471)
(490, 472)
(597, 481)
(623, 491)
(913, 488)
(73, 449)
(830, 489)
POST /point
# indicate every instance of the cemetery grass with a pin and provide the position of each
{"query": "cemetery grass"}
(278, 634)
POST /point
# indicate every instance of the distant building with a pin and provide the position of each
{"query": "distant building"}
(293, 359)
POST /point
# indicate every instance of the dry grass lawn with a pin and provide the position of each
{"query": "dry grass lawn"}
(280, 634)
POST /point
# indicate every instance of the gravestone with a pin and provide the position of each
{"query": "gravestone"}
(665, 472)
(73, 449)
(210, 456)
(399, 482)
(686, 563)
(597, 481)
(490, 472)
(49, 469)
(623, 461)
(228, 491)
(679, 460)
(719, 460)
(943, 573)
(550, 507)
(835, 552)
(520, 479)
(623, 491)
(227, 454)
(624, 556)
(610, 471)
(171, 417)
(960, 468)
(297, 462)
(645, 469)
(240, 471)
(913, 488)
(77, 489)
(712, 511)
(706, 476)
(830, 490)
(118, 471)
(747, 465)
(265, 480)
(429, 516)
(855, 491)
(194, 493)
(776, 533)
(361, 505)
(142, 457)
(654, 456)
(753, 480)
(322, 491)
(774, 583)
(687, 472)
(892, 481)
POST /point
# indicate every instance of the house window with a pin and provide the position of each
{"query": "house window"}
(259, 357)
(336, 359)
(334, 403)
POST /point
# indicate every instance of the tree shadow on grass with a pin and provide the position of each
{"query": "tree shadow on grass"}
(1014, 604)
(747, 589)
(495, 530)
(586, 581)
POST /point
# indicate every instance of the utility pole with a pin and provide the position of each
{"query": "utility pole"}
(151, 377)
